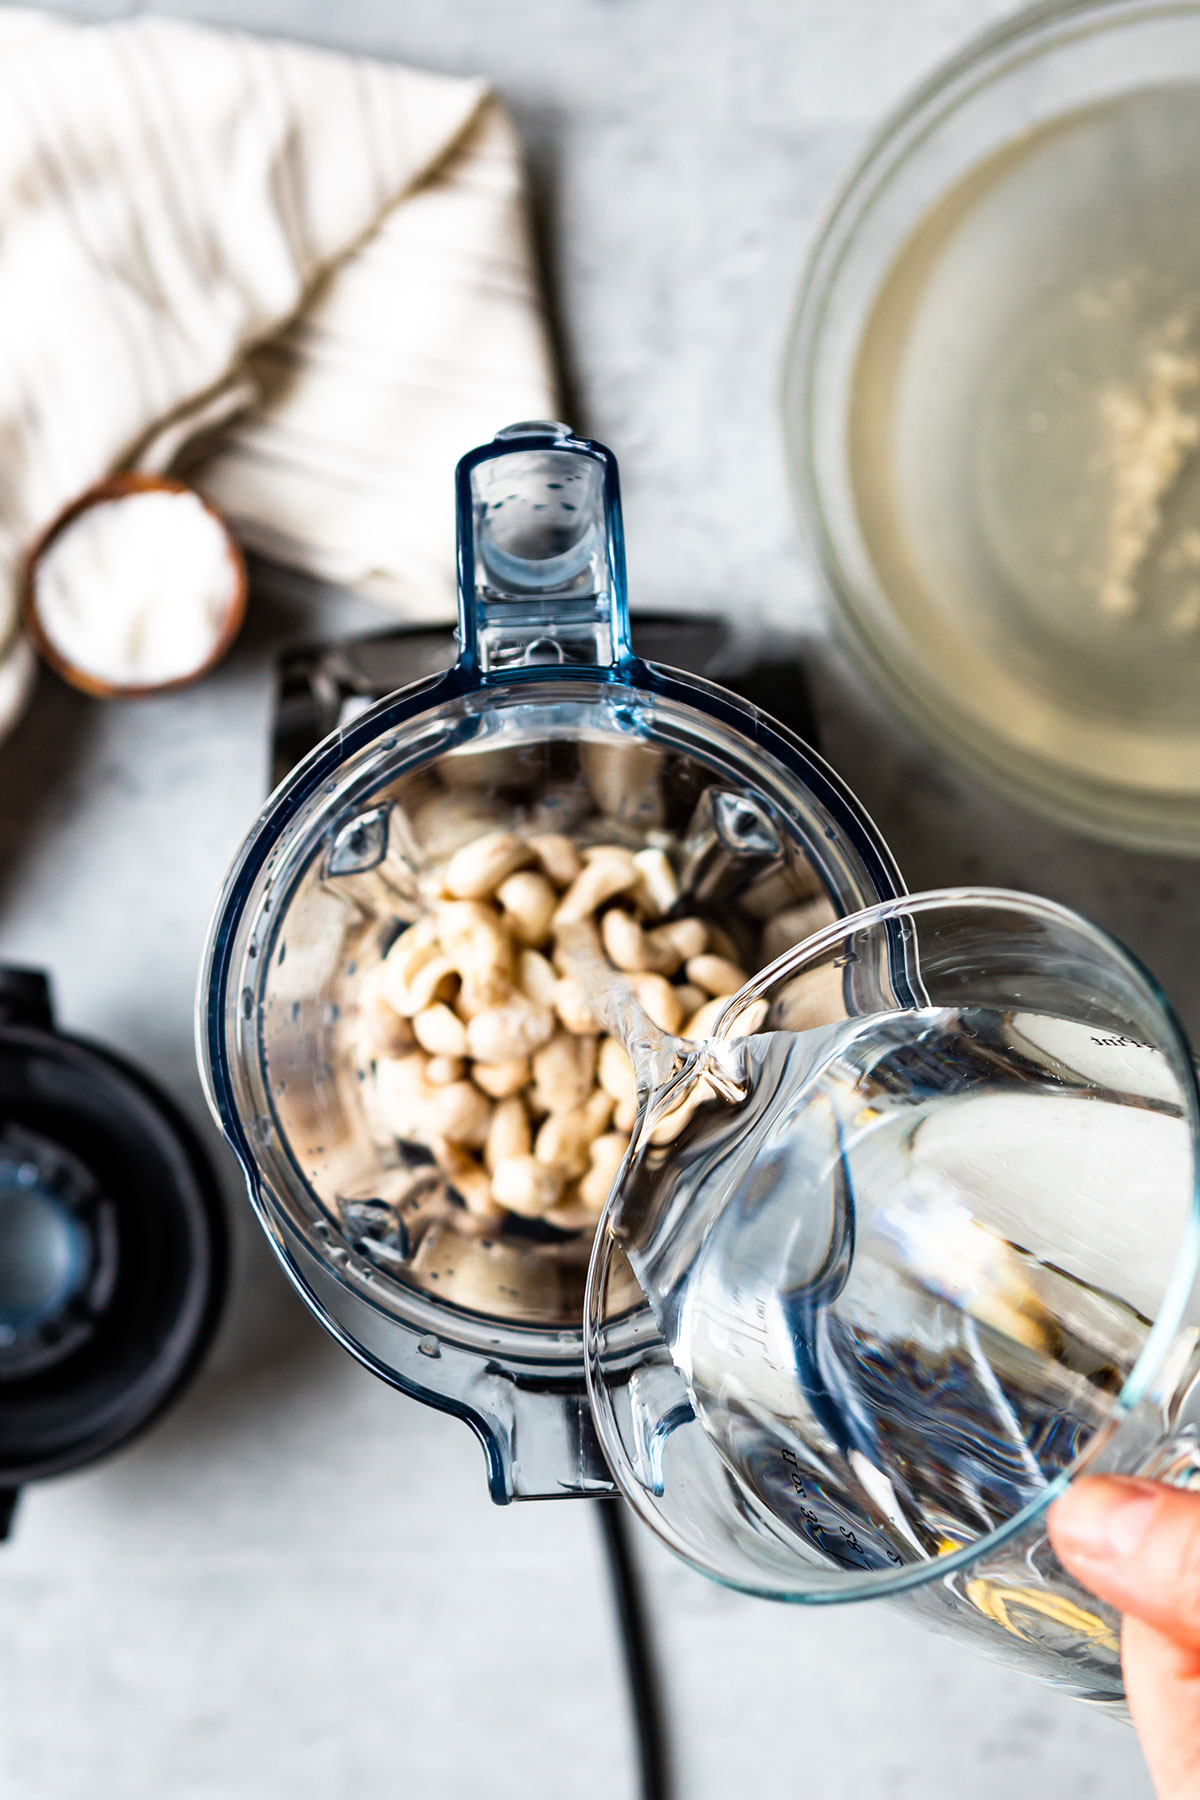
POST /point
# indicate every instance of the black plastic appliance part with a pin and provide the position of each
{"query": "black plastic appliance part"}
(322, 686)
(113, 1248)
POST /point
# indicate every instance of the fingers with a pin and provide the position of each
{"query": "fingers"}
(1137, 1545)
(1162, 1681)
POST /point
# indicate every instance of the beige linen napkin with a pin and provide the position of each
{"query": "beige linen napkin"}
(328, 253)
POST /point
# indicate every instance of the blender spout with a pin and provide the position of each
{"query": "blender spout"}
(541, 554)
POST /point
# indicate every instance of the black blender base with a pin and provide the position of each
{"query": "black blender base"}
(322, 686)
(113, 1249)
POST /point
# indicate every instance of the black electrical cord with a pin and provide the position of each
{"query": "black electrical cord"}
(641, 1670)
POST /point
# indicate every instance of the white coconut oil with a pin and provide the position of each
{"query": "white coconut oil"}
(137, 591)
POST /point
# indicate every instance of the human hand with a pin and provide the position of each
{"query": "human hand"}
(1137, 1545)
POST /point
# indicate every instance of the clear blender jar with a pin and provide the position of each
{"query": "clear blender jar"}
(547, 722)
(909, 1239)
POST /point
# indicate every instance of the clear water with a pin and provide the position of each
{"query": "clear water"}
(905, 1277)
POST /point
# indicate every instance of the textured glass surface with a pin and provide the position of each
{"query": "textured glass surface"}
(911, 1250)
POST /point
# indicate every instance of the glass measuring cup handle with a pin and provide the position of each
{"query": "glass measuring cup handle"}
(541, 555)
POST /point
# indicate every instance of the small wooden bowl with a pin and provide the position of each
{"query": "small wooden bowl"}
(119, 487)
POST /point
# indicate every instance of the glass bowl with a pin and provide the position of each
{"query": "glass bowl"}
(992, 408)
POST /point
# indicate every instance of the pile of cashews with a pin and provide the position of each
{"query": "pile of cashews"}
(483, 1048)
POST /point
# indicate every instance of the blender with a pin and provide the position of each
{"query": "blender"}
(546, 722)
(853, 1313)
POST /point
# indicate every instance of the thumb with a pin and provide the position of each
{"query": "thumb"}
(1137, 1545)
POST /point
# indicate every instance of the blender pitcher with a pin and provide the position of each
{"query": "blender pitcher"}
(547, 722)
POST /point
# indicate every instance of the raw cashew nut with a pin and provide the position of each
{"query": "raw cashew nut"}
(515, 1029)
(564, 1071)
(415, 972)
(469, 1000)
(690, 997)
(609, 871)
(536, 977)
(500, 1080)
(528, 901)
(687, 937)
(623, 939)
(526, 1186)
(572, 1005)
(476, 871)
(716, 974)
(564, 1141)
(604, 1159)
(657, 880)
(509, 1133)
(469, 1181)
(659, 999)
(672, 1124)
(597, 1109)
(704, 1018)
(440, 1031)
(432, 981)
(751, 1018)
(615, 1071)
(571, 1214)
(558, 856)
(634, 950)
(412, 947)
(440, 1071)
(625, 1115)
(461, 1114)
(480, 949)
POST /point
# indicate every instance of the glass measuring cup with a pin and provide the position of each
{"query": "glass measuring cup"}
(910, 1241)
(547, 722)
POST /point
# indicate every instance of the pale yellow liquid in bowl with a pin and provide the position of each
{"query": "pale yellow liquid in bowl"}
(1025, 445)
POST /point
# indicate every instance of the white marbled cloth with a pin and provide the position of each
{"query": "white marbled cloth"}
(309, 273)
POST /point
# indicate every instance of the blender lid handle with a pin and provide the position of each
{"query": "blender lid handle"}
(541, 554)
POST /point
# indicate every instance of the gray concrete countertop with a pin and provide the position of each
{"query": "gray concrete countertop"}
(296, 1586)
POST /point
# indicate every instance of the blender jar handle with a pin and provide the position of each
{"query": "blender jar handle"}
(541, 555)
